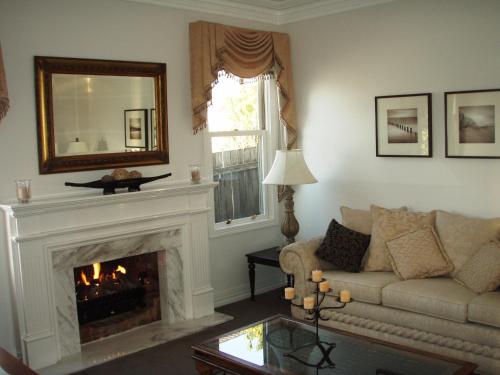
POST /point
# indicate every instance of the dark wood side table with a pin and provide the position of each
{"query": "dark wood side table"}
(268, 257)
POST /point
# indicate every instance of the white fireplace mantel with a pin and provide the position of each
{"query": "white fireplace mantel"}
(39, 229)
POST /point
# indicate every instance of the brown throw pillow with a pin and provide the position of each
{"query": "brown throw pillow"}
(388, 224)
(418, 254)
(343, 247)
(481, 273)
(462, 236)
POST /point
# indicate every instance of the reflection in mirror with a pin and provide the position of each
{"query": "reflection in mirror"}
(100, 114)
(103, 114)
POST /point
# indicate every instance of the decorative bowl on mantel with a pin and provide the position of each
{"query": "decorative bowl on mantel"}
(110, 184)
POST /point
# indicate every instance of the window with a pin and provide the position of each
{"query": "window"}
(242, 122)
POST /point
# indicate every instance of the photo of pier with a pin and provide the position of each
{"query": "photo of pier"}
(402, 125)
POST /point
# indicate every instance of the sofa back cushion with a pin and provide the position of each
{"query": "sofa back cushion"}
(388, 224)
(462, 237)
(358, 220)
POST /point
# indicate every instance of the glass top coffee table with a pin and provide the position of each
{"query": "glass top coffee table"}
(283, 345)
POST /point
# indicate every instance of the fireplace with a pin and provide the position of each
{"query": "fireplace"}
(52, 236)
(117, 295)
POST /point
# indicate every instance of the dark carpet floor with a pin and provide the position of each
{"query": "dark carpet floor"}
(174, 357)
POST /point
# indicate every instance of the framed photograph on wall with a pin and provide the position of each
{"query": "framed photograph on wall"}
(403, 125)
(472, 124)
(136, 128)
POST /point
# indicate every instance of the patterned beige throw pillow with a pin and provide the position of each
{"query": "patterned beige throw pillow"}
(481, 273)
(418, 255)
(462, 237)
(388, 224)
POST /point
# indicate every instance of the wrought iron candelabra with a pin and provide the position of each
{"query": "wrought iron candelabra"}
(314, 315)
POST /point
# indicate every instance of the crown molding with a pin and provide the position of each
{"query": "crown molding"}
(267, 12)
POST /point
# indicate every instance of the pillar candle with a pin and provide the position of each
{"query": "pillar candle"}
(345, 296)
(317, 275)
(308, 303)
(289, 293)
(324, 286)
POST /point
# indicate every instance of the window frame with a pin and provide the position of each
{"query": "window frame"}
(268, 131)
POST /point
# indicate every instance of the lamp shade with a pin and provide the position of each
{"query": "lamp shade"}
(77, 147)
(289, 168)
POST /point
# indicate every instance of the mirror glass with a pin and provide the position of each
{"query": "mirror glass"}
(103, 114)
(100, 114)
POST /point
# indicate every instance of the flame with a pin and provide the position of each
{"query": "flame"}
(121, 269)
(97, 270)
(113, 275)
(84, 278)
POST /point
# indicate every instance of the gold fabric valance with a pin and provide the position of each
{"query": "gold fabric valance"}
(243, 53)
(4, 95)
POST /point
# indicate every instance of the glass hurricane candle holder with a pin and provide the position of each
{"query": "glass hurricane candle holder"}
(195, 173)
(23, 190)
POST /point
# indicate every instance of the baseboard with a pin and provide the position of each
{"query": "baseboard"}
(241, 292)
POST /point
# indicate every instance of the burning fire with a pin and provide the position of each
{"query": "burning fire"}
(97, 276)
(84, 278)
(97, 270)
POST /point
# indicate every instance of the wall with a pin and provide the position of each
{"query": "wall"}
(120, 30)
(341, 62)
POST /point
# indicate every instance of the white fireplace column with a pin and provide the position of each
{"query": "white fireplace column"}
(45, 227)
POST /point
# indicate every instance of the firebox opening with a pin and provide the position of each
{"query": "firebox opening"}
(117, 295)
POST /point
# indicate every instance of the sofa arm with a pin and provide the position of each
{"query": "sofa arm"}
(299, 259)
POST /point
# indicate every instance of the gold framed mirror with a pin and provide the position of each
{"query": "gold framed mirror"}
(100, 114)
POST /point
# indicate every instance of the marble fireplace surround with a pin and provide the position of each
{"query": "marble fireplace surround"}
(170, 270)
(50, 236)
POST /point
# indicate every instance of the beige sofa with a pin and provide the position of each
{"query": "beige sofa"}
(436, 315)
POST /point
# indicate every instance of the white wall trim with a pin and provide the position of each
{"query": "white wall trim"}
(286, 14)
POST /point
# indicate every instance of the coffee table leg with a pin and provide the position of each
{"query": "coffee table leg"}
(251, 275)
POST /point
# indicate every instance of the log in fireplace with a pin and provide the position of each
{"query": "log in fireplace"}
(117, 295)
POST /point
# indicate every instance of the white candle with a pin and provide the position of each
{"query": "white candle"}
(317, 275)
(289, 293)
(345, 296)
(308, 303)
(324, 286)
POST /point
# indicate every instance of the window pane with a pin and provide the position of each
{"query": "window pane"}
(237, 168)
(234, 106)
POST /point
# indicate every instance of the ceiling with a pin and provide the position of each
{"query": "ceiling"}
(275, 12)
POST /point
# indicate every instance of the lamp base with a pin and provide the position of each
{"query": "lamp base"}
(290, 225)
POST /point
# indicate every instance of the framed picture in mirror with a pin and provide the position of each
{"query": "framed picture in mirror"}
(136, 128)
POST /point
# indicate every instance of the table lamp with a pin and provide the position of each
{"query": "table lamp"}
(289, 168)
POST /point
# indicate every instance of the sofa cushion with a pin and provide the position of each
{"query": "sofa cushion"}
(485, 309)
(481, 273)
(343, 247)
(439, 297)
(462, 236)
(418, 255)
(364, 286)
(358, 220)
(388, 224)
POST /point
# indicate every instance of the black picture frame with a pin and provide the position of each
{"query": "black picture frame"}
(136, 126)
(413, 138)
(466, 141)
